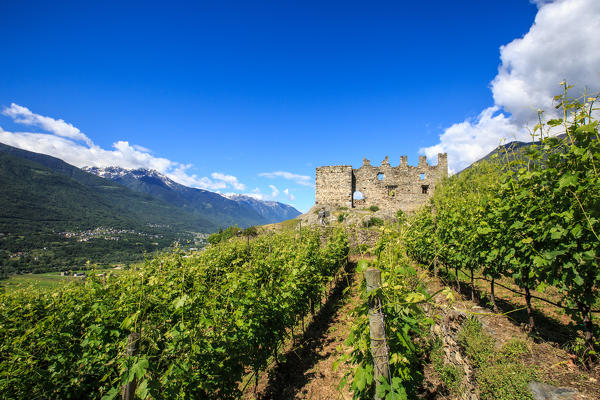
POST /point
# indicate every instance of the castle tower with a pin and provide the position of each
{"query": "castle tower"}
(334, 185)
(443, 164)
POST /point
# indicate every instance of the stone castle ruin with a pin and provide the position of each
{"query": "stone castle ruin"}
(390, 188)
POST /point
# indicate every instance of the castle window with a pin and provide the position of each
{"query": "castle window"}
(358, 195)
(424, 189)
(380, 176)
(391, 190)
(422, 176)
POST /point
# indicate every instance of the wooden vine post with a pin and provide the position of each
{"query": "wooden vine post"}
(133, 341)
(379, 349)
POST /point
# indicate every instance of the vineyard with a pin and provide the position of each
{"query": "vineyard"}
(529, 218)
(206, 322)
(532, 216)
(406, 324)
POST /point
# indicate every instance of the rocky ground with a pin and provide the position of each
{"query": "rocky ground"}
(561, 375)
(326, 215)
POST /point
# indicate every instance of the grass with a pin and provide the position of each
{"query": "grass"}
(49, 280)
(478, 346)
(505, 381)
(45, 281)
(450, 375)
(500, 374)
(287, 225)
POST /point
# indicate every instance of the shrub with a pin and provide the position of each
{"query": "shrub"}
(374, 208)
(224, 235)
(373, 221)
(360, 249)
(400, 216)
(250, 231)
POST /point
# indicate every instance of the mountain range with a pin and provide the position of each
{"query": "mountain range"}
(223, 210)
(48, 209)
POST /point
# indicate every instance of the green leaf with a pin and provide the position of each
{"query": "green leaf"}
(142, 389)
(484, 230)
(576, 231)
(415, 297)
(360, 379)
(567, 180)
(557, 233)
(111, 394)
(554, 122)
(180, 301)
(363, 265)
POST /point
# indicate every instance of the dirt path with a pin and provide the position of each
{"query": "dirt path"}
(306, 371)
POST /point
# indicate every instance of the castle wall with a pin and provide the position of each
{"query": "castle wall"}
(403, 187)
(334, 185)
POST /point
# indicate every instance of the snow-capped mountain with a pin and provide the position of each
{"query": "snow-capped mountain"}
(234, 210)
(117, 174)
(271, 210)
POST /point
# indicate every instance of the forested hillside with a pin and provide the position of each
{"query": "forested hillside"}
(43, 208)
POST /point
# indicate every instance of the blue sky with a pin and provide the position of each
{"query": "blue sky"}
(250, 97)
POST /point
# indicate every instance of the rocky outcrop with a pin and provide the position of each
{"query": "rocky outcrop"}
(542, 391)
(446, 329)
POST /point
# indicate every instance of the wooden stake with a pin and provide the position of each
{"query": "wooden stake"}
(133, 341)
(379, 348)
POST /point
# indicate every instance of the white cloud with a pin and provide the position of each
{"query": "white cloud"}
(299, 179)
(64, 142)
(274, 191)
(290, 196)
(23, 115)
(470, 140)
(179, 174)
(562, 44)
(540, 3)
(229, 179)
(257, 196)
(141, 148)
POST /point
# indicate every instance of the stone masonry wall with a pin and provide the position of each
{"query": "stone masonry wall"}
(334, 185)
(403, 187)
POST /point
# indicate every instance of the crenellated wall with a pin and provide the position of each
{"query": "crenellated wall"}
(403, 187)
